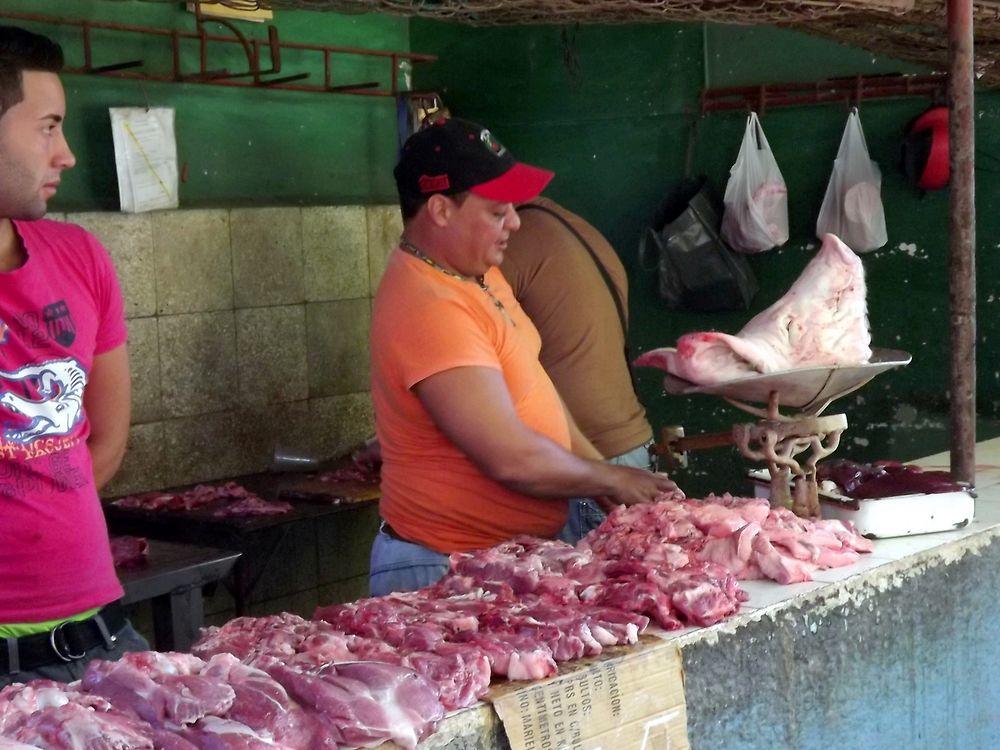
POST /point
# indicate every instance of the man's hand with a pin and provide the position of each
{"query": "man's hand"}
(633, 486)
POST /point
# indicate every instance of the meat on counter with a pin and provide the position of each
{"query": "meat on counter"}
(387, 668)
(884, 479)
(232, 500)
(745, 536)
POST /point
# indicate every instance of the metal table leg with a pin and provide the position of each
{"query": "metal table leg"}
(177, 618)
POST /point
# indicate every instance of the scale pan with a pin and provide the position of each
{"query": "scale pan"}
(808, 389)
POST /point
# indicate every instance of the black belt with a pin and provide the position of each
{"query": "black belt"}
(66, 642)
(392, 533)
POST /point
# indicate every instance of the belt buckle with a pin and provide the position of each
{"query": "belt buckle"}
(62, 651)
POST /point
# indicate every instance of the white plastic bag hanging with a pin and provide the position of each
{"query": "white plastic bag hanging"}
(852, 208)
(756, 200)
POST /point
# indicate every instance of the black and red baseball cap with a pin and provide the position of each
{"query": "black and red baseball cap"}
(452, 156)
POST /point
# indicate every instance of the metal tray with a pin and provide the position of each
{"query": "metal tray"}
(808, 389)
(887, 517)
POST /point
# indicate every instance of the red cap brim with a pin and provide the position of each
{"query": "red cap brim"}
(520, 183)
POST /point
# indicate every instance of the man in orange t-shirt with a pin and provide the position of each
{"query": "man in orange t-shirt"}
(476, 444)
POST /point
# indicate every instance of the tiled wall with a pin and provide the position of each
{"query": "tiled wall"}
(248, 329)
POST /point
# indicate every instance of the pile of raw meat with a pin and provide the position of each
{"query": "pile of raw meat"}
(821, 321)
(388, 667)
(745, 536)
(518, 609)
(169, 701)
(233, 500)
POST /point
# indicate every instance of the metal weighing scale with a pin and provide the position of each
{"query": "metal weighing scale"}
(776, 439)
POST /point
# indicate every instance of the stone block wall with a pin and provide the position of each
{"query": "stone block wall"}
(248, 329)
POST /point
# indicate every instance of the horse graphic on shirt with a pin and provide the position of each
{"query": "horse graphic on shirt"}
(58, 406)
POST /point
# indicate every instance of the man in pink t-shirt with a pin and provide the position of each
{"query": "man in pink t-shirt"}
(64, 393)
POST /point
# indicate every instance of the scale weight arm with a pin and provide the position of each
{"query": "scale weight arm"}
(672, 450)
(673, 446)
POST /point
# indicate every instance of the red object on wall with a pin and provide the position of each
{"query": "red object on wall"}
(935, 172)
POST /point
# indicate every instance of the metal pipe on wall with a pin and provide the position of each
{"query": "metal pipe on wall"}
(962, 256)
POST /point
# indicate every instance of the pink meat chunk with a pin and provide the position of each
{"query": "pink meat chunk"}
(460, 674)
(213, 733)
(367, 702)
(159, 687)
(778, 567)
(129, 551)
(516, 657)
(261, 703)
(75, 727)
(19, 701)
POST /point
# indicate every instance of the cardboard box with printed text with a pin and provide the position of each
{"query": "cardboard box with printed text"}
(628, 699)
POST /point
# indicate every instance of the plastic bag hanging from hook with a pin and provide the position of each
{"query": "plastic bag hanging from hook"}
(756, 200)
(852, 207)
(695, 269)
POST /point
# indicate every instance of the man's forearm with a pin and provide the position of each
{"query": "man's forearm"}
(107, 400)
(106, 460)
(545, 469)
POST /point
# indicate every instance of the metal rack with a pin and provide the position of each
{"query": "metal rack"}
(849, 91)
(263, 58)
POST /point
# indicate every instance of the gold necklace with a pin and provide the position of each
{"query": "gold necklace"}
(479, 281)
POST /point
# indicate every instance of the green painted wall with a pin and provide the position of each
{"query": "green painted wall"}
(240, 146)
(613, 110)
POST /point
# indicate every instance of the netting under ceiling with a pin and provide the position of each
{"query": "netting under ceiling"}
(519, 12)
(910, 30)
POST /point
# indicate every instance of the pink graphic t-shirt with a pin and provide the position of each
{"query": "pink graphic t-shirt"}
(57, 311)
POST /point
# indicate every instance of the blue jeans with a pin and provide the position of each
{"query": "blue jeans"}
(128, 639)
(584, 513)
(401, 566)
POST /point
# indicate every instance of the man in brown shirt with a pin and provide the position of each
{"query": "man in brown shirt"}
(560, 287)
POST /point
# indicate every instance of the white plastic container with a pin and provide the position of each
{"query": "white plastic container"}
(900, 515)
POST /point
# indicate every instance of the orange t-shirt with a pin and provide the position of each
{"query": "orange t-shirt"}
(426, 322)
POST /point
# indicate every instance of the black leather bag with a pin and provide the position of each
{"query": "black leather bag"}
(695, 268)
